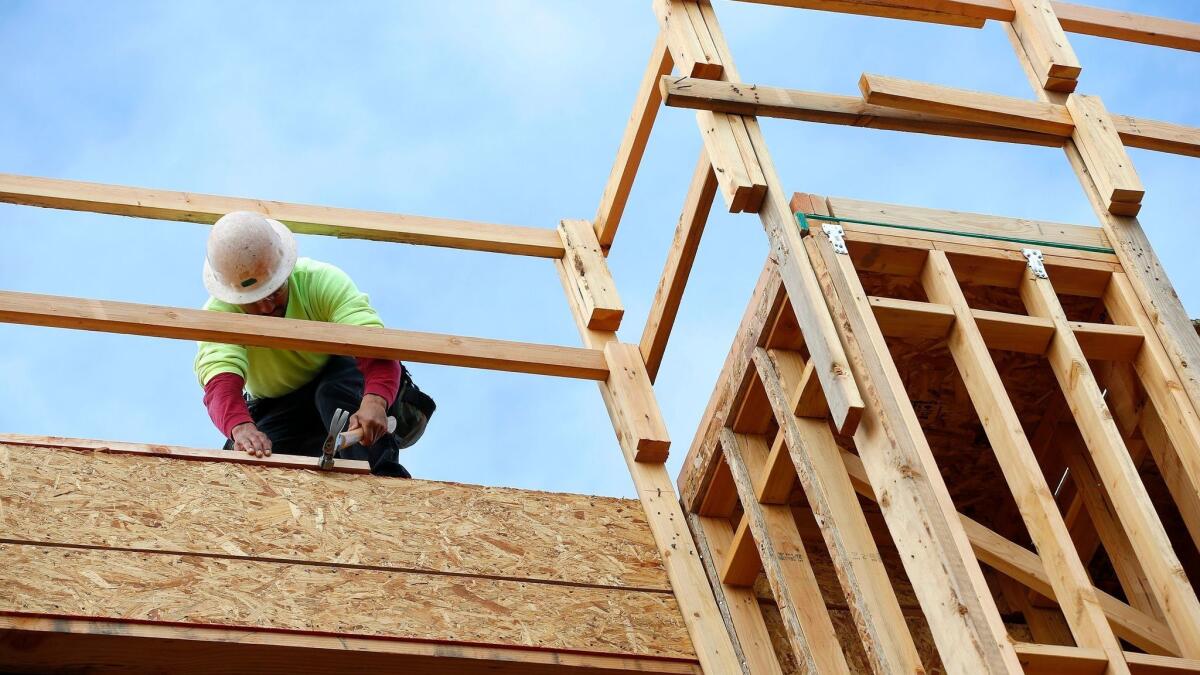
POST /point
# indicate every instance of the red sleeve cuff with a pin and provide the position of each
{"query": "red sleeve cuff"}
(225, 403)
(380, 377)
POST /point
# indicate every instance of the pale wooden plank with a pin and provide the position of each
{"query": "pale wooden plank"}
(936, 552)
(1061, 660)
(880, 8)
(974, 106)
(744, 616)
(705, 625)
(975, 223)
(1127, 26)
(1033, 497)
(634, 402)
(684, 42)
(1119, 476)
(633, 144)
(741, 566)
(847, 535)
(669, 293)
(1052, 57)
(300, 218)
(592, 282)
(1138, 132)
(1171, 408)
(1150, 664)
(37, 644)
(1108, 342)
(785, 562)
(808, 400)
(1103, 153)
(313, 336)
(728, 162)
(168, 588)
(774, 484)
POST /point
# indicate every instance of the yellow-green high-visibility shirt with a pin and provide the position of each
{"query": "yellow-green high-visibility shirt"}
(317, 291)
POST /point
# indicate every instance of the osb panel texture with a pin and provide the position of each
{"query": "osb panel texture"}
(234, 592)
(135, 501)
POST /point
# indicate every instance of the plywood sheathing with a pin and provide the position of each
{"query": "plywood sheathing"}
(131, 585)
(164, 504)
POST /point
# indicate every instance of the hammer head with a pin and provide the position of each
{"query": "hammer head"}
(329, 449)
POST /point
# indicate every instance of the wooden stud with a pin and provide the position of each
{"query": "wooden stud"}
(1011, 447)
(1104, 155)
(634, 402)
(1120, 25)
(671, 284)
(808, 399)
(1062, 660)
(1053, 59)
(785, 562)
(816, 456)
(705, 626)
(741, 566)
(1117, 472)
(947, 580)
(591, 281)
(299, 218)
(1171, 409)
(687, 47)
(743, 615)
(974, 106)
(313, 336)
(728, 159)
(755, 99)
(775, 484)
(633, 144)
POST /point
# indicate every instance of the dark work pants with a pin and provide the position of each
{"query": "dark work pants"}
(298, 423)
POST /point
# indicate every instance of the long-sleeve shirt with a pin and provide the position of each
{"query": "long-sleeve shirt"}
(316, 292)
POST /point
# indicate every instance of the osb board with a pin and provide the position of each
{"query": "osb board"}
(188, 589)
(159, 503)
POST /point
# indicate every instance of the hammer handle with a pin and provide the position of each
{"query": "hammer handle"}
(348, 438)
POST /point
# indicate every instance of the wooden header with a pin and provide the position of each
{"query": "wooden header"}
(313, 336)
(300, 218)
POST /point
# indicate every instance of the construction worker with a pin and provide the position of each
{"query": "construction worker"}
(290, 396)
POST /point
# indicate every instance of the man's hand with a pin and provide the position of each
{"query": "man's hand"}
(372, 417)
(248, 439)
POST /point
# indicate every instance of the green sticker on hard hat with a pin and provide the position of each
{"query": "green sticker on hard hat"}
(249, 282)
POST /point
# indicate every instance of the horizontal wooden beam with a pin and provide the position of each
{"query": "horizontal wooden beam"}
(1040, 659)
(312, 336)
(911, 109)
(1003, 331)
(300, 218)
(1108, 23)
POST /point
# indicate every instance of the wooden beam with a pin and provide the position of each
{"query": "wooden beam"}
(705, 625)
(741, 565)
(1052, 58)
(688, 38)
(1021, 564)
(901, 113)
(633, 144)
(880, 8)
(808, 400)
(592, 283)
(1119, 476)
(1033, 496)
(37, 644)
(300, 218)
(974, 106)
(785, 562)
(774, 484)
(841, 392)
(743, 615)
(665, 306)
(947, 580)
(739, 174)
(634, 401)
(877, 616)
(1061, 660)
(1104, 155)
(313, 336)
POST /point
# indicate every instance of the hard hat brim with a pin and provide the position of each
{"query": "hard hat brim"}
(223, 292)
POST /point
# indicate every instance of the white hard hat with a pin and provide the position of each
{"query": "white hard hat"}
(249, 257)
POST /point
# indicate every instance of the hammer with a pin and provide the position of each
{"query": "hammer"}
(338, 438)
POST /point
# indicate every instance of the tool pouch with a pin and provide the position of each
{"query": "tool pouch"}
(412, 409)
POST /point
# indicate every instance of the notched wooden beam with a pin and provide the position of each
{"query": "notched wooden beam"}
(1104, 155)
(633, 397)
(588, 273)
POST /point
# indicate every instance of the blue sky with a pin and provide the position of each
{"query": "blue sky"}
(506, 112)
